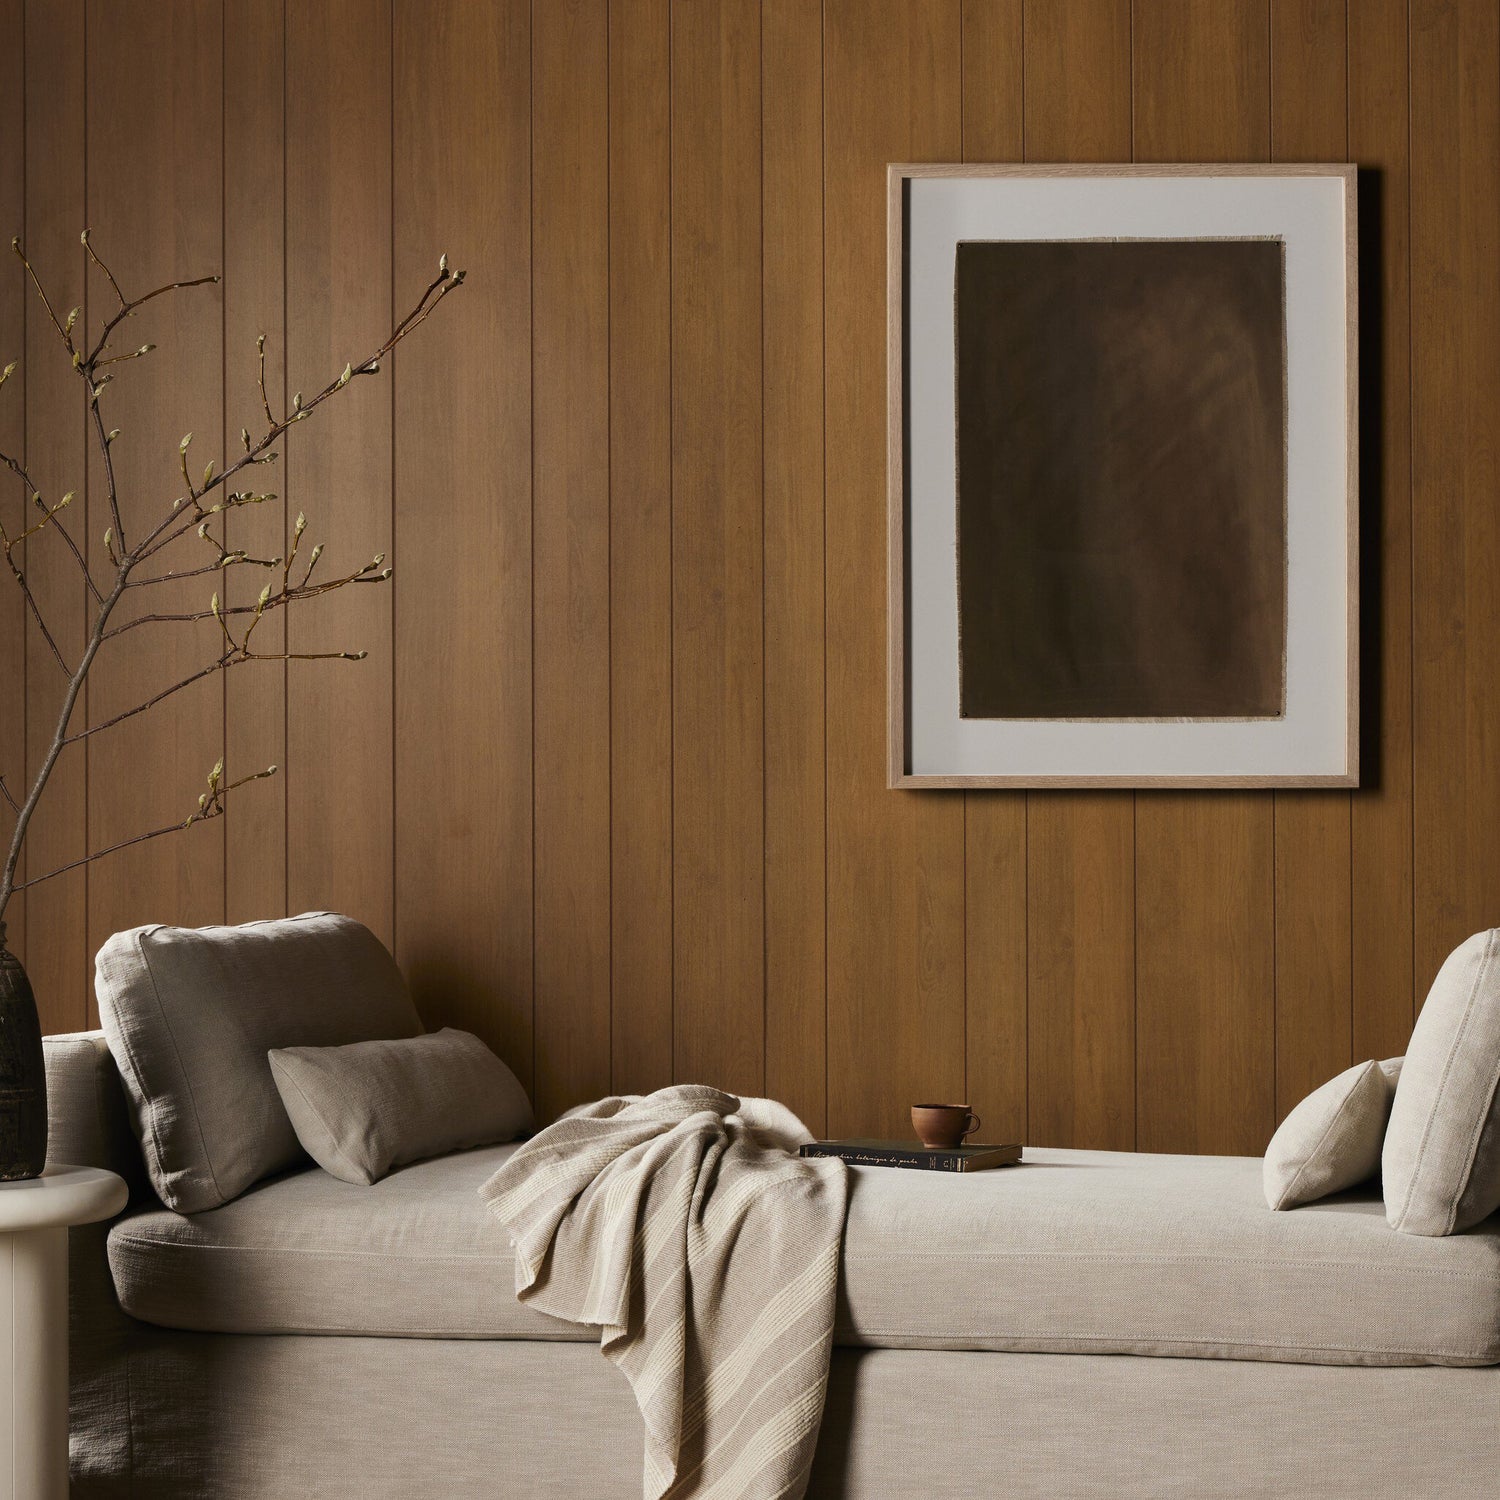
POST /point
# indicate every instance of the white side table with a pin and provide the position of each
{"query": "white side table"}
(34, 1221)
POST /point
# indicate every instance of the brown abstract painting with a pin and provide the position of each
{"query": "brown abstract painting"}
(1121, 416)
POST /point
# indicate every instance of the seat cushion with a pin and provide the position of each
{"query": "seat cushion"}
(1072, 1251)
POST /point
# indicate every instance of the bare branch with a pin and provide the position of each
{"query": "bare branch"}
(36, 612)
(93, 256)
(211, 805)
(15, 806)
(129, 310)
(65, 334)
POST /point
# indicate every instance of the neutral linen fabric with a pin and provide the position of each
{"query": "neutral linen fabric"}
(684, 1227)
(361, 1109)
(1332, 1139)
(1441, 1164)
(191, 1013)
(1104, 1252)
(393, 1419)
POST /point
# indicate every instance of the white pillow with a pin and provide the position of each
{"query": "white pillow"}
(362, 1109)
(1442, 1149)
(1332, 1139)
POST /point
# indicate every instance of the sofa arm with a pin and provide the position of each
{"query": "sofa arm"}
(88, 1120)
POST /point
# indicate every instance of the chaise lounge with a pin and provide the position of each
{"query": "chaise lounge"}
(1089, 1323)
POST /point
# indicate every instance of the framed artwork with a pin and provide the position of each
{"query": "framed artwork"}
(1123, 495)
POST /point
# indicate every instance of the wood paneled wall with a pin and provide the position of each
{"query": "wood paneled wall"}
(611, 780)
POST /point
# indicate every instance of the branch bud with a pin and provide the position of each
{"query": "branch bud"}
(443, 263)
(208, 474)
(9, 370)
(66, 500)
(245, 438)
(70, 320)
(182, 447)
(348, 375)
(111, 435)
(301, 525)
(213, 604)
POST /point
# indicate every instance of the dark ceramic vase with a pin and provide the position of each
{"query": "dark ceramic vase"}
(23, 1076)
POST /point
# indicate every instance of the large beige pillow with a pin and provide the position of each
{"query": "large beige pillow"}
(1442, 1147)
(362, 1109)
(1331, 1140)
(190, 1014)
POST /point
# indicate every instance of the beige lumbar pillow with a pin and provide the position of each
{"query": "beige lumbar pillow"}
(1442, 1148)
(1331, 1140)
(361, 1110)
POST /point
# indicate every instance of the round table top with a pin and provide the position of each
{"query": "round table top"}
(62, 1196)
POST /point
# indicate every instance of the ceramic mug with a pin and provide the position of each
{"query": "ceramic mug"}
(943, 1125)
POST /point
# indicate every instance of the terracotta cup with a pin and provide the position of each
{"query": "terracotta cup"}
(943, 1125)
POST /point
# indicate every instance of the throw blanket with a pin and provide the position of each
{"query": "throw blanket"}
(685, 1228)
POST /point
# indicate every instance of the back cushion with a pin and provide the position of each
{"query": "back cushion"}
(190, 1014)
(1441, 1162)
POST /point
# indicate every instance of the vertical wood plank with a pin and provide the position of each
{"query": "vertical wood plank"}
(14, 500)
(895, 859)
(1314, 921)
(995, 823)
(58, 957)
(1455, 291)
(462, 182)
(570, 532)
(154, 161)
(718, 664)
(1081, 913)
(339, 307)
(640, 467)
(1381, 815)
(796, 863)
(1205, 876)
(1078, 80)
(254, 304)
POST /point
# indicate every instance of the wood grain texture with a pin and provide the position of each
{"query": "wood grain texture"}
(462, 184)
(57, 954)
(155, 158)
(792, 440)
(709, 262)
(896, 877)
(1381, 889)
(1081, 846)
(338, 467)
(1314, 922)
(1202, 87)
(1077, 80)
(717, 542)
(996, 1008)
(1205, 879)
(570, 549)
(255, 304)
(1455, 355)
(14, 500)
(640, 556)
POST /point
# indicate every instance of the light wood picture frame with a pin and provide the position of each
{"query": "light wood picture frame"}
(1148, 574)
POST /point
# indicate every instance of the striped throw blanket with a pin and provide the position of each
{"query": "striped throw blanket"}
(685, 1228)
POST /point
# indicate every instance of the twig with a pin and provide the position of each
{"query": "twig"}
(211, 805)
(5, 792)
(19, 470)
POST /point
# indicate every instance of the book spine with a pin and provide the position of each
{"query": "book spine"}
(921, 1161)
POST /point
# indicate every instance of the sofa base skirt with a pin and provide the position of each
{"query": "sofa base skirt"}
(361, 1419)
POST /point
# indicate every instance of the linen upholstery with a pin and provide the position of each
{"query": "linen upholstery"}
(1332, 1139)
(1441, 1163)
(361, 1109)
(686, 1230)
(190, 1014)
(388, 1419)
(1071, 1251)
